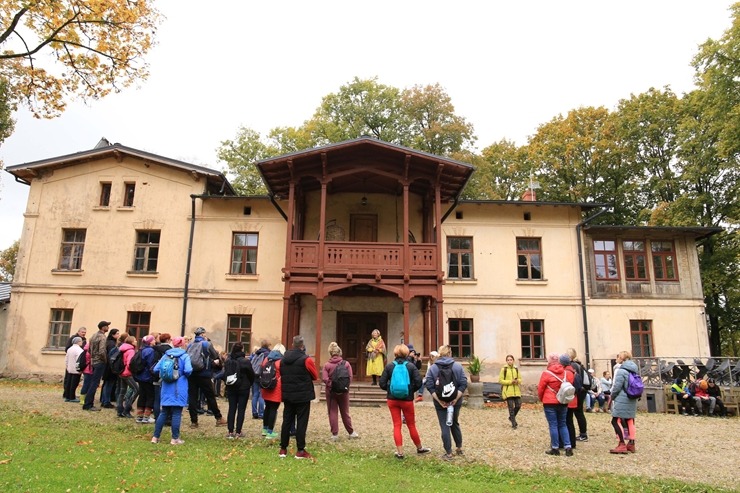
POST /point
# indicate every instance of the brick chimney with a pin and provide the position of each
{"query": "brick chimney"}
(529, 195)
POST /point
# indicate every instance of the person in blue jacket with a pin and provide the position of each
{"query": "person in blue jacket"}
(174, 394)
(145, 404)
(460, 381)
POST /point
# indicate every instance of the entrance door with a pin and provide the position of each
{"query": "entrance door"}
(363, 227)
(353, 333)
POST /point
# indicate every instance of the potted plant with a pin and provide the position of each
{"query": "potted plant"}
(475, 366)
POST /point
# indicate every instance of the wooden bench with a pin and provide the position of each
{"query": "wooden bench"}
(731, 400)
(671, 401)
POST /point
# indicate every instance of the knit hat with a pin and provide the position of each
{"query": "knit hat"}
(178, 341)
(148, 339)
(552, 358)
(564, 359)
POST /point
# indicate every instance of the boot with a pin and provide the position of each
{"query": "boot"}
(375, 380)
(621, 449)
(631, 446)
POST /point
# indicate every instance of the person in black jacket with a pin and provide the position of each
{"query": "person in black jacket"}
(238, 393)
(398, 404)
(714, 391)
(297, 373)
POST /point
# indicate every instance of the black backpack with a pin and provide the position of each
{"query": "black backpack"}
(232, 372)
(340, 378)
(81, 363)
(115, 361)
(446, 387)
(136, 365)
(268, 375)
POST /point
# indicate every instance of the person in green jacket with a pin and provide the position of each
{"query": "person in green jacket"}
(511, 391)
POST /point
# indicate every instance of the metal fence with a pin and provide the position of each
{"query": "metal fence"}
(659, 371)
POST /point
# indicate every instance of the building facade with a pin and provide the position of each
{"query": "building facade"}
(354, 236)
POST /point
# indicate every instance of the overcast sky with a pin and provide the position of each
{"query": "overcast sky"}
(508, 66)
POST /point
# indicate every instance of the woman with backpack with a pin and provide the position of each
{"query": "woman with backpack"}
(238, 371)
(129, 388)
(555, 411)
(447, 383)
(623, 408)
(401, 379)
(145, 378)
(272, 390)
(337, 384)
(173, 369)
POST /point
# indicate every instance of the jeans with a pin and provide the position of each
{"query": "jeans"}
(270, 416)
(157, 400)
(291, 411)
(107, 394)
(97, 375)
(173, 413)
(446, 430)
(237, 408)
(128, 391)
(555, 415)
(258, 403)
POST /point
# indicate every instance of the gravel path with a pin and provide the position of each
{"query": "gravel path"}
(667, 445)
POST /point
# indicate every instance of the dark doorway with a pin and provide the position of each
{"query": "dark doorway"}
(363, 227)
(354, 330)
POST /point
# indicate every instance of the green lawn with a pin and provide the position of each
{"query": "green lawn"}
(43, 452)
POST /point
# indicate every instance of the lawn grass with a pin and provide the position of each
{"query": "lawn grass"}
(47, 453)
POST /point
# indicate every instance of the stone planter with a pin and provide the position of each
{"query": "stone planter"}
(475, 395)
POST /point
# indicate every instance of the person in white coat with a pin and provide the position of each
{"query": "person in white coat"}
(71, 383)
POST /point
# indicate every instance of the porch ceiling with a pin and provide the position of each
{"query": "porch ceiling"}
(365, 165)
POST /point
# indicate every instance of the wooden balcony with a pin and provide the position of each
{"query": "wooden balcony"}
(358, 259)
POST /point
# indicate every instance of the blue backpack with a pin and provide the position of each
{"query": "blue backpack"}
(400, 381)
(169, 368)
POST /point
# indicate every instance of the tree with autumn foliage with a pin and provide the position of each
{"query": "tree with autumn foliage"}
(56, 50)
(8, 259)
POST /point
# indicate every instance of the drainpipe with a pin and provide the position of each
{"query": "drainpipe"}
(579, 227)
(187, 267)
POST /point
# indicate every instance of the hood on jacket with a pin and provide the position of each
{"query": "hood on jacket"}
(262, 350)
(275, 355)
(630, 365)
(335, 359)
(175, 352)
(445, 361)
(293, 355)
(557, 369)
(126, 346)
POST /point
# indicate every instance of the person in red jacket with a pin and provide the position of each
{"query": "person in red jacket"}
(555, 412)
(274, 396)
(126, 380)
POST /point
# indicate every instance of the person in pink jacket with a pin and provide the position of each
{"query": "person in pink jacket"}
(128, 389)
(337, 402)
(555, 412)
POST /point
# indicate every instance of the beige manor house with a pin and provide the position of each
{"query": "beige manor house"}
(353, 236)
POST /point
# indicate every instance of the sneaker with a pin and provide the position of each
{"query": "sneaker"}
(256, 416)
(272, 435)
(209, 413)
(149, 420)
(221, 422)
(108, 406)
(239, 435)
(447, 457)
(283, 453)
(399, 455)
(155, 440)
(193, 424)
(459, 451)
(303, 454)
(139, 419)
(620, 449)
(569, 452)
(177, 441)
(335, 437)
(423, 450)
(354, 435)
(230, 436)
(92, 409)
(265, 431)
(582, 438)
(554, 451)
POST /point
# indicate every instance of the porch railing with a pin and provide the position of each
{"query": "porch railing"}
(358, 256)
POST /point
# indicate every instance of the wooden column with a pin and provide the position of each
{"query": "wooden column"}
(319, 323)
(440, 272)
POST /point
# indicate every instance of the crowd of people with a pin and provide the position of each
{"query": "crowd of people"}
(159, 376)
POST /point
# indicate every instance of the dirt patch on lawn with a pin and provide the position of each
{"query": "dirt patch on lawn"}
(693, 449)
